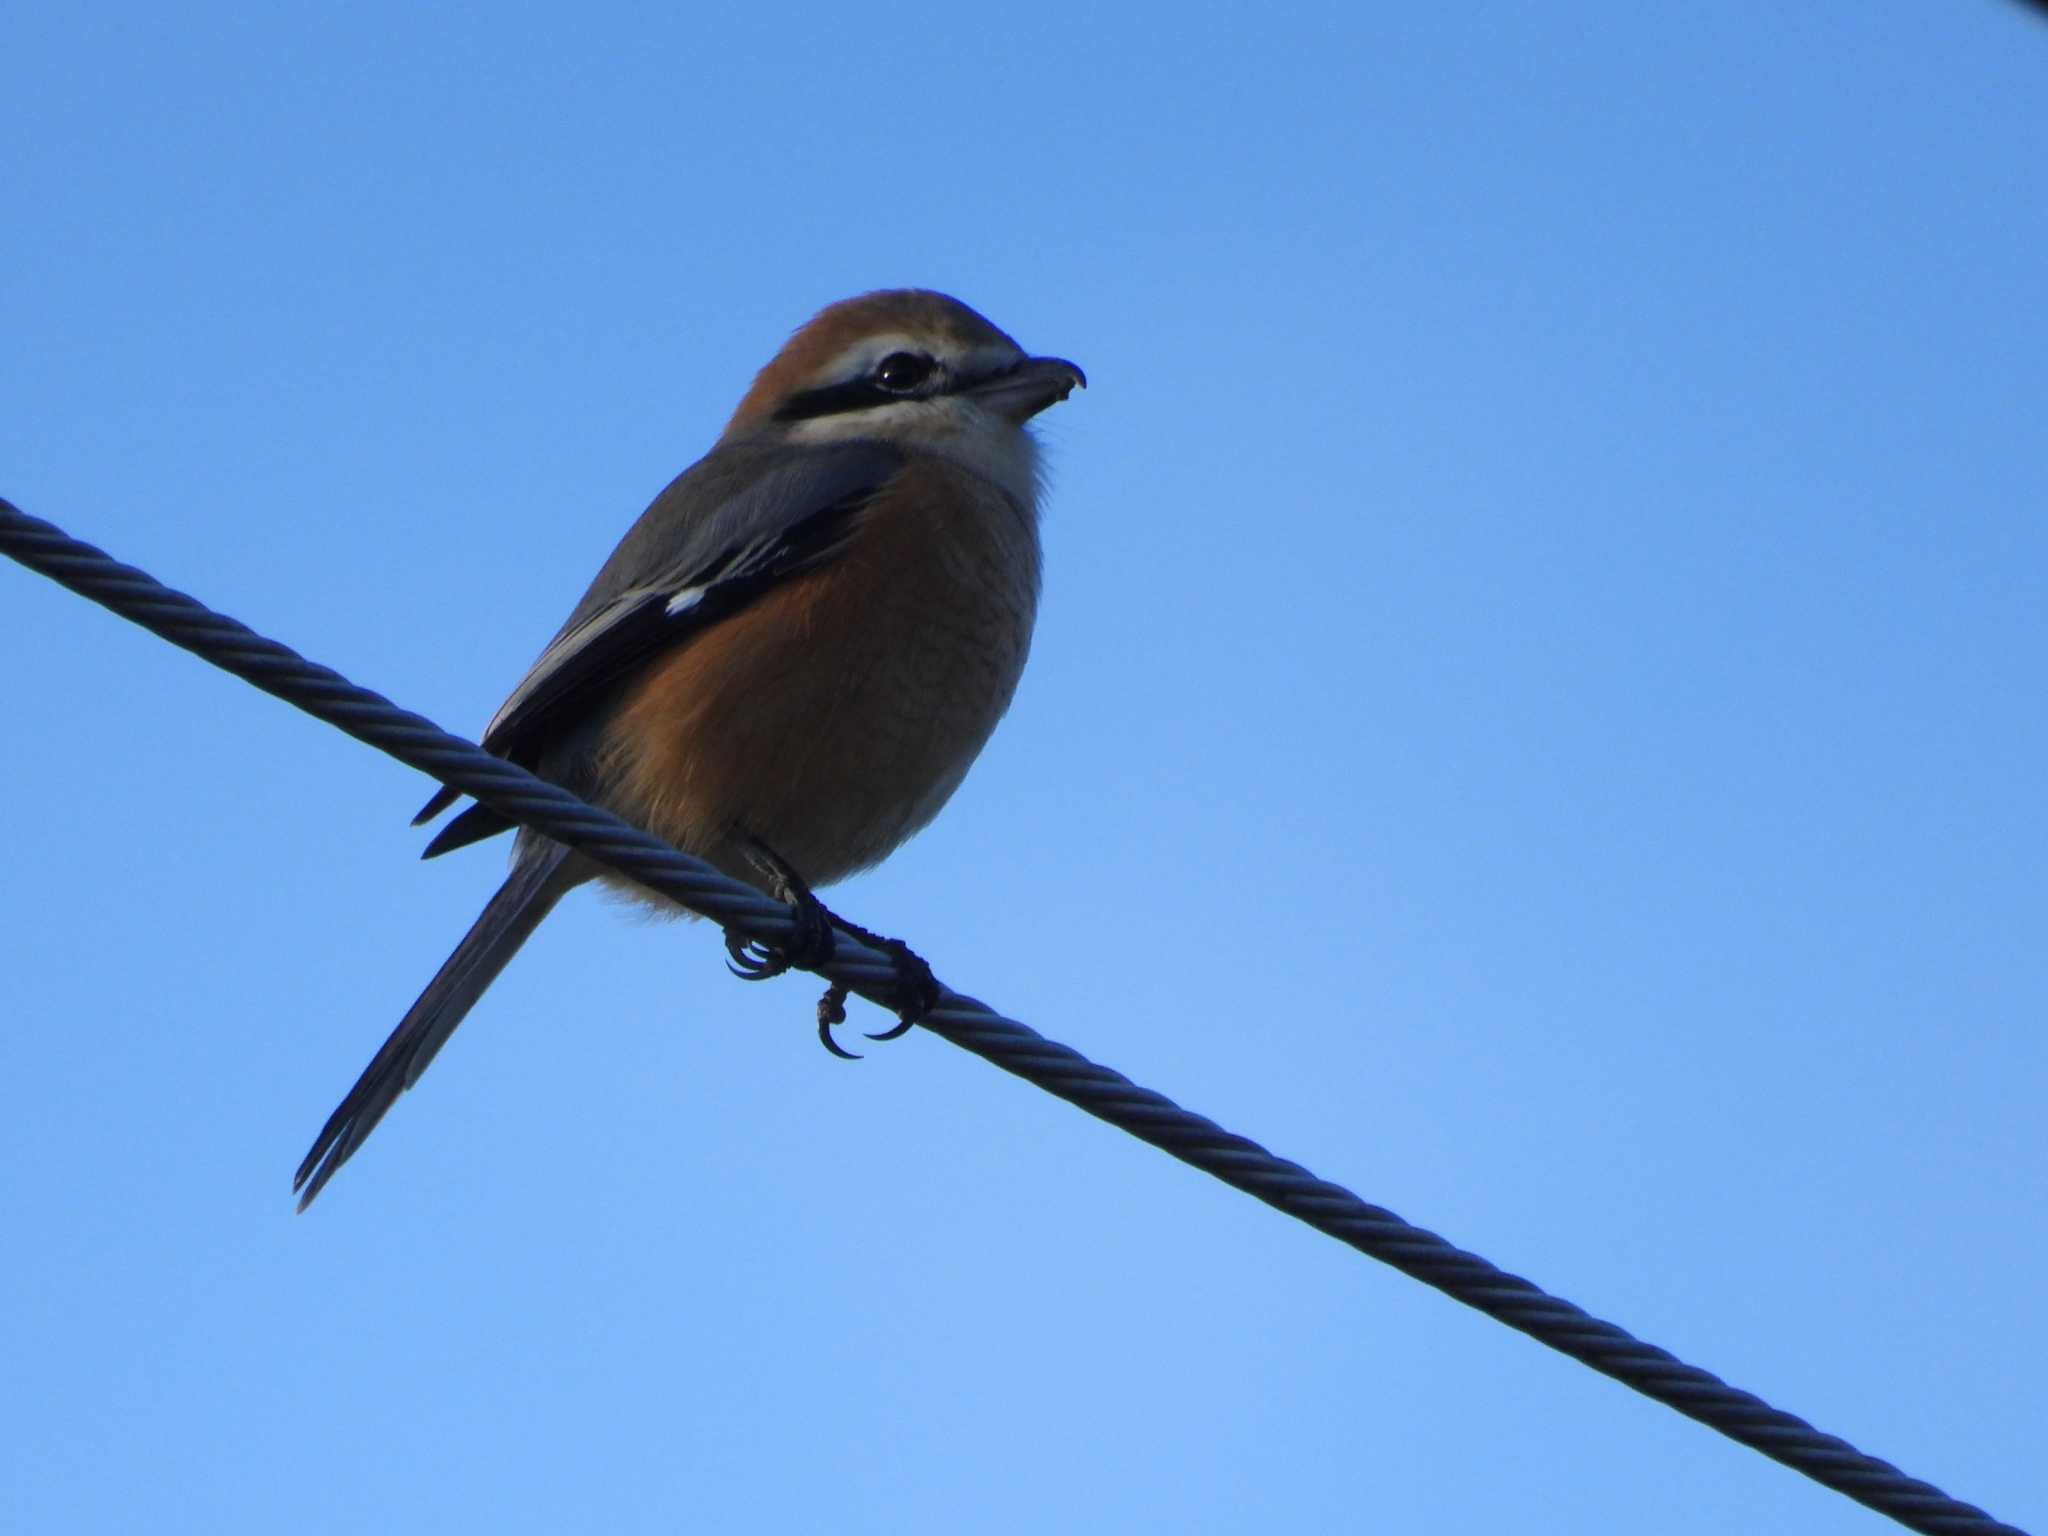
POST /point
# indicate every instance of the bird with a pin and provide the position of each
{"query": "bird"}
(791, 659)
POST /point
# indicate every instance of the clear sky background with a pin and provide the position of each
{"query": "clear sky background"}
(1537, 714)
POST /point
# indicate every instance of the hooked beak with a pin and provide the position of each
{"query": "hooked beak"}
(1031, 386)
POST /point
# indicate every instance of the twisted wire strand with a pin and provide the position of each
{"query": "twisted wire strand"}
(974, 1026)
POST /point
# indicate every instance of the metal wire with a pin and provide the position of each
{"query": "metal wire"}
(973, 1026)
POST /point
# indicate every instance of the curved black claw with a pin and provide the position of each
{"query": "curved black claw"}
(751, 960)
(811, 940)
(832, 1010)
(903, 1025)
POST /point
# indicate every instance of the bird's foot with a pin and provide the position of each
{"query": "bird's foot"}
(811, 945)
(811, 941)
(917, 990)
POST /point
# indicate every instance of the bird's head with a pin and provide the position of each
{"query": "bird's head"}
(907, 366)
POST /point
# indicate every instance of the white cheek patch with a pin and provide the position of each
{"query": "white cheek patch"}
(977, 440)
(903, 419)
(685, 600)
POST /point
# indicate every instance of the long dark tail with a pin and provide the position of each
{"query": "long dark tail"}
(541, 875)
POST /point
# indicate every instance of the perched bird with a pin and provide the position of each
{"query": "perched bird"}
(790, 661)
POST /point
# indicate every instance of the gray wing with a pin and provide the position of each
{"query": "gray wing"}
(727, 529)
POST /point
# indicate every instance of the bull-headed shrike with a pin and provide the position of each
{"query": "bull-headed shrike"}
(790, 661)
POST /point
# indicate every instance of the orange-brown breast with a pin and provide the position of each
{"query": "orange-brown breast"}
(835, 715)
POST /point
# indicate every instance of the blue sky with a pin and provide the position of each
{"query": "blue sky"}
(1537, 714)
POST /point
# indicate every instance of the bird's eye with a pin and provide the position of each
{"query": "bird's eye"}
(902, 372)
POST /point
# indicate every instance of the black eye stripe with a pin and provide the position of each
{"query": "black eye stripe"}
(854, 395)
(896, 377)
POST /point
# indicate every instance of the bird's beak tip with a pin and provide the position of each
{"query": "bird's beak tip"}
(1031, 386)
(1076, 379)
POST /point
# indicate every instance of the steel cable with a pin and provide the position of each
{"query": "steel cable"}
(973, 1026)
